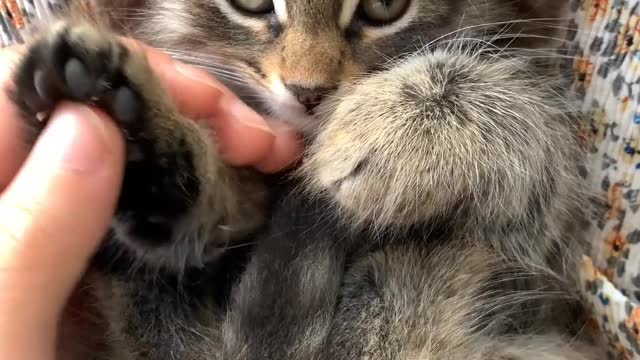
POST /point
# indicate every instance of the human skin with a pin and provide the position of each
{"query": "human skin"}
(57, 198)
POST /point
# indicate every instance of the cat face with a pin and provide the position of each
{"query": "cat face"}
(285, 57)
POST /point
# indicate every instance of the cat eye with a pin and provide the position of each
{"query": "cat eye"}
(254, 7)
(382, 11)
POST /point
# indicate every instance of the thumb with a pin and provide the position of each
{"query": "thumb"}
(52, 218)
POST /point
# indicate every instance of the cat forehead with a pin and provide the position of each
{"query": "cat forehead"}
(318, 12)
(313, 7)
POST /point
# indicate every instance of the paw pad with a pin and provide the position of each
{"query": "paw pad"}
(82, 65)
(78, 79)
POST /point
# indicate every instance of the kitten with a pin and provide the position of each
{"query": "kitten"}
(437, 214)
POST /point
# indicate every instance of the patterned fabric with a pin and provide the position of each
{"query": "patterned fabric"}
(605, 58)
(606, 83)
(16, 15)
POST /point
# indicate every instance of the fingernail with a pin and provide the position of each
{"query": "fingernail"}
(282, 128)
(75, 139)
(241, 112)
(196, 74)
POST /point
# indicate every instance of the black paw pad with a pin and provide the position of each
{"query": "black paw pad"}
(79, 79)
(76, 64)
(59, 68)
(127, 105)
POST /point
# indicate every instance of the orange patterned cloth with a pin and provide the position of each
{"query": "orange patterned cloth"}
(18, 16)
(606, 85)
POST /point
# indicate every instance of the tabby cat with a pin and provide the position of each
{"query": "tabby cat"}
(437, 213)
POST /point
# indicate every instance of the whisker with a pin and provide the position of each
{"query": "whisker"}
(497, 23)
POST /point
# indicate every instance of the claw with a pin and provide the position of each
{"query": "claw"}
(45, 89)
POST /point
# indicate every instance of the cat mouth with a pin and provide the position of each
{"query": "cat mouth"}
(273, 101)
(291, 112)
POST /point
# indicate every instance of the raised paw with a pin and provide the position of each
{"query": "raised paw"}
(80, 63)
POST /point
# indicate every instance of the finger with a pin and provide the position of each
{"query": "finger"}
(286, 151)
(194, 92)
(244, 137)
(12, 151)
(52, 217)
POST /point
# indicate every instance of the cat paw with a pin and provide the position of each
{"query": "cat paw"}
(78, 62)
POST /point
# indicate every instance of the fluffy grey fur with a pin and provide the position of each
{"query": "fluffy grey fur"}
(437, 214)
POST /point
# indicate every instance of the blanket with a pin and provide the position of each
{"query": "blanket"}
(603, 54)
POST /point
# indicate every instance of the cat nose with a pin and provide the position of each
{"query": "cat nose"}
(309, 97)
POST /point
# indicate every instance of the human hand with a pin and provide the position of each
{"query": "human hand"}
(57, 200)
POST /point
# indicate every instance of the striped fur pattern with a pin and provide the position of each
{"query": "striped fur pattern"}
(437, 214)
